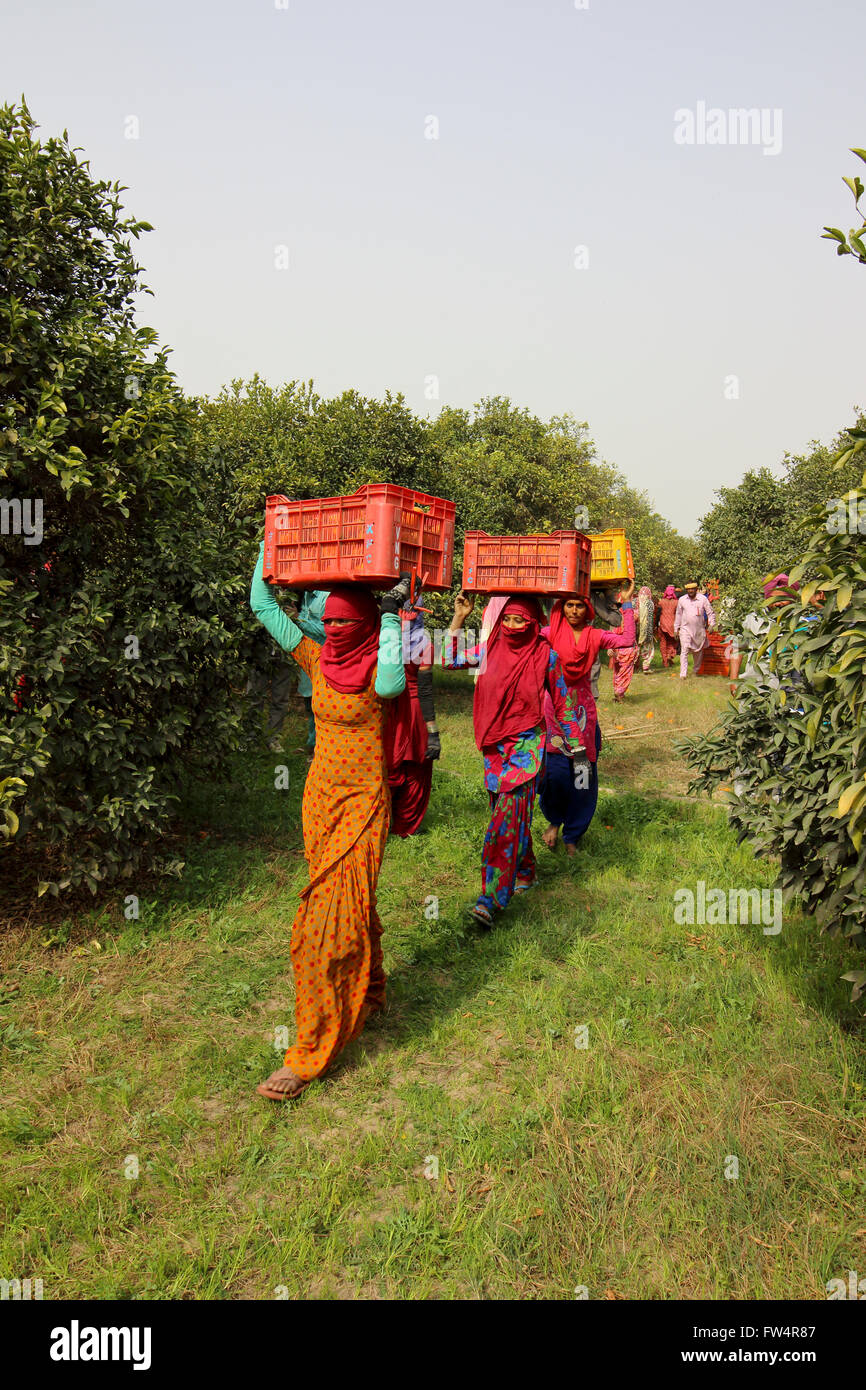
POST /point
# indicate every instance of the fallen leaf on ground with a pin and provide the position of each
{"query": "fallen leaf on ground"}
(760, 1242)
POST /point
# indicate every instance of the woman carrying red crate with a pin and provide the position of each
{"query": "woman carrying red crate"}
(516, 668)
(569, 795)
(623, 658)
(336, 934)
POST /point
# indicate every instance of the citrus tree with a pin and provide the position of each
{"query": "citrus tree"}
(793, 748)
(121, 636)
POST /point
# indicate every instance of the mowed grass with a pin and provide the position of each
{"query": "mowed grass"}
(465, 1147)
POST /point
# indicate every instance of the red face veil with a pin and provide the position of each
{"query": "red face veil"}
(509, 694)
(350, 653)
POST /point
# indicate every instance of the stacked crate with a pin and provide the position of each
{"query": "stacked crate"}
(611, 556)
(716, 660)
(368, 538)
(557, 564)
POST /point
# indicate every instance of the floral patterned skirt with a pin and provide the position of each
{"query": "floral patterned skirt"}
(507, 860)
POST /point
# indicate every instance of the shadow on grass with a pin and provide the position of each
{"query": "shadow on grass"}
(453, 959)
(239, 831)
(813, 964)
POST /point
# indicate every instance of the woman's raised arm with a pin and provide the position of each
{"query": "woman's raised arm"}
(264, 604)
(390, 671)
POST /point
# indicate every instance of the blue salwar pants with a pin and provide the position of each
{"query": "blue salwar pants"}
(564, 804)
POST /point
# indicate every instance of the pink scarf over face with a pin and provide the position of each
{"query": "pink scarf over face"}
(350, 653)
(509, 694)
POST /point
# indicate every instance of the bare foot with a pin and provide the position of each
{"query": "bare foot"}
(549, 836)
(282, 1084)
(571, 851)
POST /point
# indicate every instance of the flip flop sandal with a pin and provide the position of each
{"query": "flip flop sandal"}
(523, 888)
(482, 915)
(263, 1090)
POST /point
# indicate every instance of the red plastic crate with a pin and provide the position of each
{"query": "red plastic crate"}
(366, 538)
(714, 664)
(557, 564)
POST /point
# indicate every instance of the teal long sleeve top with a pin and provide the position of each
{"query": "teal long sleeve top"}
(311, 613)
(390, 673)
(309, 620)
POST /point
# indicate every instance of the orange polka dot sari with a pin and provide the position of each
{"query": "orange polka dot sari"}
(336, 934)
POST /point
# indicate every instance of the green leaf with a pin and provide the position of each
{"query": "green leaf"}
(850, 798)
(858, 979)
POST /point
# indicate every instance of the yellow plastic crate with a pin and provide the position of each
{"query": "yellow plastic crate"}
(611, 556)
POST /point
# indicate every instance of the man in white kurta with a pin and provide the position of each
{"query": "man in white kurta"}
(694, 616)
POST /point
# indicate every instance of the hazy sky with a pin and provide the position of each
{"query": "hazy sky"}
(308, 127)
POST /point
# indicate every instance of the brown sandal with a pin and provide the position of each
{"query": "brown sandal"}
(270, 1094)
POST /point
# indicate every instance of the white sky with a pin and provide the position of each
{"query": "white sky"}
(453, 258)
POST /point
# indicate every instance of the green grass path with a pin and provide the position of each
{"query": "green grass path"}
(465, 1147)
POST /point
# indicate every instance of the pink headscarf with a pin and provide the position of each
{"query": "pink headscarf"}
(780, 581)
(576, 651)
